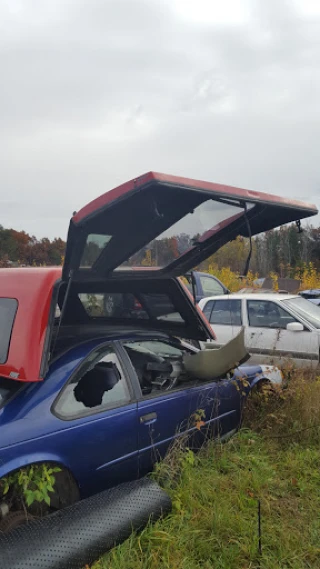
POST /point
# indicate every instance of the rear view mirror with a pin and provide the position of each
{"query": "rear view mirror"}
(295, 327)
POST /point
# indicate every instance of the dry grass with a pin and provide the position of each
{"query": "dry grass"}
(291, 413)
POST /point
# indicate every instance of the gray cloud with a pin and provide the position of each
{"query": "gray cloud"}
(96, 92)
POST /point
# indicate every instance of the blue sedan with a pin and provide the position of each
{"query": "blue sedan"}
(110, 407)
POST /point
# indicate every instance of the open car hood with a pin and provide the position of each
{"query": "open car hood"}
(168, 224)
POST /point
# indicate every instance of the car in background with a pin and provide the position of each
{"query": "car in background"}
(253, 290)
(278, 327)
(102, 395)
(312, 294)
(204, 285)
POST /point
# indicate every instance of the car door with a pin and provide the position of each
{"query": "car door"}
(165, 416)
(162, 415)
(208, 286)
(268, 337)
(214, 410)
(225, 317)
(302, 346)
(97, 404)
(261, 332)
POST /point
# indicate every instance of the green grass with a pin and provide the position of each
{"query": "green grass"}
(214, 523)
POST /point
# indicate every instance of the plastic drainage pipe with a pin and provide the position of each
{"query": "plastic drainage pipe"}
(80, 534)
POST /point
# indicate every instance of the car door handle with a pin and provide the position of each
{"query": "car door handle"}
(148, 419)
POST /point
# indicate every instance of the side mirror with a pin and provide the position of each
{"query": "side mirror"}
(295, 327)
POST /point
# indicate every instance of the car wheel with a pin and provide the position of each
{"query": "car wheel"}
(66, 490)
(14, 520)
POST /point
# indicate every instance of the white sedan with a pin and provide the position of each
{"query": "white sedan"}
(278, 327)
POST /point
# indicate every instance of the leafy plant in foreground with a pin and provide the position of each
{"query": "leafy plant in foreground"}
(33, 483)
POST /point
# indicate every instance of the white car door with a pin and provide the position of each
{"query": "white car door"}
(267, 337)
(261, 332)
(225, 317)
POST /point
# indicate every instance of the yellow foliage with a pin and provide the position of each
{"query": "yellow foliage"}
(308, 275)
(232, 279)
(146, 262)
(275, 282)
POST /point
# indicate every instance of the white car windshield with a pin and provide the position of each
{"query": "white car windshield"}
(305, 309)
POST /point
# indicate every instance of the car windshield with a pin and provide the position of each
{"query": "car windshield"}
(304, 308)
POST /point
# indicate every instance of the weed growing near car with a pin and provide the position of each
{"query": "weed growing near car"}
(32, 484)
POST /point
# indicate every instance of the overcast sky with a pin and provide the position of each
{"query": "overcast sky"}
(96, 92)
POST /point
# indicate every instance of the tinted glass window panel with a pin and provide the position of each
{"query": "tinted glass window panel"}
(94, 245)
(153, 306)
(267, 314)
(207, 309)
(8, 310)
(226, 313)
(184, 234)
(210, 286)
(113, 305)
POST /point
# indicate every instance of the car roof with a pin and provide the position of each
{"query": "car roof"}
(251, 296)
(33, 293)
(36, 274)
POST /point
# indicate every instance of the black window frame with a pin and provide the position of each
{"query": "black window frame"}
(102, 408)
(10, 321)
(211, 302)
(14, 388)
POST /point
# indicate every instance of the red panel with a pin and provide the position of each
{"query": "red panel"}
(231, 191)
(199, 311)
(112, 195)
(33, 293)
(219, 189)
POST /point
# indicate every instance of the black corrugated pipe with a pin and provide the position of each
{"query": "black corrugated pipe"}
(80, 534)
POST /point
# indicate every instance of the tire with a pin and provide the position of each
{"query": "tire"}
(66, 493)
(66, 490)
(14, 520)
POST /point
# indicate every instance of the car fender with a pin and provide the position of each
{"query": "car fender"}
(271, 373)
(28, 459)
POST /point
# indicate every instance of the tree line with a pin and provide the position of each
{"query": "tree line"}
(281, 251)
(18, 248)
